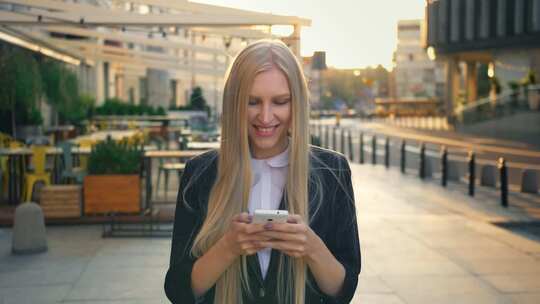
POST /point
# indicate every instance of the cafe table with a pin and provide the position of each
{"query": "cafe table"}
(181, 155)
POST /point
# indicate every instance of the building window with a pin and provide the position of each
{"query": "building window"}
(143, 91)
(174, 93)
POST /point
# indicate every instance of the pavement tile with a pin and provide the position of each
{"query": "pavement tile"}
(508, 283)
(368, 284)
(443, 289)
(376, 298)
(36, 295)
(525, 298)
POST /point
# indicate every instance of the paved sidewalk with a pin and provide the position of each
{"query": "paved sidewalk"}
(420, 244)
(424, 244)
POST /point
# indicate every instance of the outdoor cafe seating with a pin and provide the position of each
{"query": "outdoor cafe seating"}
(39, 174)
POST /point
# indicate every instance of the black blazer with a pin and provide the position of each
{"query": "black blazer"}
(334, 222)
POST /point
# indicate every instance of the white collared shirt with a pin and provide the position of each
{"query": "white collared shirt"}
(268, 181)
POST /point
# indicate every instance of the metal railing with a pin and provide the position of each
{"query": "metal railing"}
(506, 103)
(419, 158)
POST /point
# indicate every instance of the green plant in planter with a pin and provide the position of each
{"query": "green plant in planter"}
(514, 87)
(529, 79)
(110, 157)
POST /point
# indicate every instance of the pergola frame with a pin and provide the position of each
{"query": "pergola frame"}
(157, 27)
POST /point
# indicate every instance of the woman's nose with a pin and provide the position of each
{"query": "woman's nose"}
(266, 114)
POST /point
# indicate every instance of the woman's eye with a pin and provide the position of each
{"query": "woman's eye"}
(252, 102)
(282, 102)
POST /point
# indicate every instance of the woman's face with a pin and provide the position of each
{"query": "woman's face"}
(269, 114)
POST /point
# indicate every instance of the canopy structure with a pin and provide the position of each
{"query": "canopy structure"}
(143, 51)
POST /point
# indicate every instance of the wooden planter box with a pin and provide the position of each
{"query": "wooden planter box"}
(61, 201)
(112, 193)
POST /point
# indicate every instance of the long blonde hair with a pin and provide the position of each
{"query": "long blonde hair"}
(230, 192)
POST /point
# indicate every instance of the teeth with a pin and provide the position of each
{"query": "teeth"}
(265, 129)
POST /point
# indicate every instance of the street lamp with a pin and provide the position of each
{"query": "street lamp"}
(431, 53)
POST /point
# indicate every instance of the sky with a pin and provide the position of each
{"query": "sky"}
(354, 33)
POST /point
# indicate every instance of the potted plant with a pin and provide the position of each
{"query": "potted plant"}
(532, 90)
(514, 88)
(113, 183)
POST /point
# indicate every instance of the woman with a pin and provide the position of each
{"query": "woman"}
(265, 162)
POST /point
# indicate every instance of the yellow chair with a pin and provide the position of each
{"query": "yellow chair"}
(103, 125)
(9, 143)
(15, 144)
(39, 155)
(131, 125)
(83, 159)
(4, 174)
(4, 140)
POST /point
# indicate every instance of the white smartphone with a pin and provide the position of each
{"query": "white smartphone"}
(263, 216)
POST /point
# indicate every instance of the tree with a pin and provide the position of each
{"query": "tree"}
(61, 89)
(20, 85)
(197, 100)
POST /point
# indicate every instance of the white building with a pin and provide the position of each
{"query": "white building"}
(416, 76)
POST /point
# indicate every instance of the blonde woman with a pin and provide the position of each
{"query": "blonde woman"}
(265, 162)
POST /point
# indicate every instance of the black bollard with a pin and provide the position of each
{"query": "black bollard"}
(444, 166)
(342, 141)
(334, 139)
(403, 156)
(351, 149)
(327, 137)
(361, 148)
(374, 149)
(422, 167)
(472, 173)
(387, 153)
(503, 170)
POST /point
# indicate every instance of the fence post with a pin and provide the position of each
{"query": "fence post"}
(504, 181)
(374, 149)
(361, 148)
(334, 139)
(326, 137)
(342, 141)
(472, 173)
(351, 149)
(444, 166)
(403, 155)
(421, 169)
(387, 152)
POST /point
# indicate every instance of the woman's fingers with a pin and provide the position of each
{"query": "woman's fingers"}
(253, 237)
(250, 248)
(283, 246)
(295, 219)
(287, 227)
(284, 236)
(243, 217)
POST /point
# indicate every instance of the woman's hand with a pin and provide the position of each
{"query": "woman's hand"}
(294, 238)
(242, 235)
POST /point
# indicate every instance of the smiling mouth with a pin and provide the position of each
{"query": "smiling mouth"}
(265, 129)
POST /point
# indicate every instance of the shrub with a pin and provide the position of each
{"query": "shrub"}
(110, 157)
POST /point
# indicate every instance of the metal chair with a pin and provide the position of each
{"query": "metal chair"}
(166, 168)
(39, 155)
(69, 172)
